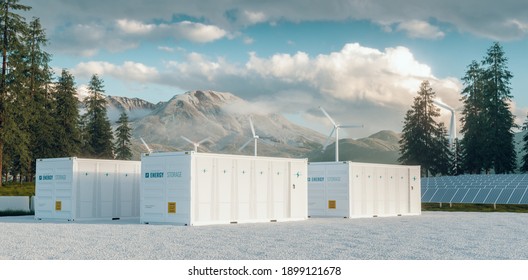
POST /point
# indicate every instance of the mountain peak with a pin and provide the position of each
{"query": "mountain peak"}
(386, 135)
(204, 96)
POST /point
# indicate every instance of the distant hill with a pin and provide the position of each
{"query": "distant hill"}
(381, 147)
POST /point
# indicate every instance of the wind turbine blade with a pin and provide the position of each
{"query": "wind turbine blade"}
(252, 128)
(443, 105)
(245, 144)
(328, 138)
(145, 144)
(187, 139)
(204, 140)
(328, 116)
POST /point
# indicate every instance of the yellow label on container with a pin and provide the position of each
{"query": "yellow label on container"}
(58, 205)
(171, 208)
(331, 204)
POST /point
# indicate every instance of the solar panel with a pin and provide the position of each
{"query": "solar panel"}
(448, 196)
(516, 196)
(437, 197)
(493, 196)
(459, 195)
(481, 196)
(498, 189)
(470, 196)
(428, 194)
(504, 196)
(524, 199)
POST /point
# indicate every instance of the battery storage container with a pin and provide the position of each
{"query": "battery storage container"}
(86, 189)
(189, 188)
(354, 190)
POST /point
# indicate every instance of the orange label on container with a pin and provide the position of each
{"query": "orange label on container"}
(331, 204)
(58, 205)
(171, 209)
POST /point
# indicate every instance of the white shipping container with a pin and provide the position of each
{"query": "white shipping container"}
(75, 189)
(353, 190)
(189, 188)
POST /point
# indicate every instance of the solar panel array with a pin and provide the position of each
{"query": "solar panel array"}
(481, 189)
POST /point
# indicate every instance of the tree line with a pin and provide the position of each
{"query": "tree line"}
(40, 114)
(488, 125)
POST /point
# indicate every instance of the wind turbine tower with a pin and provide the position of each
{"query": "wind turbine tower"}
(452, 125)
(336, 129)
(255, 138)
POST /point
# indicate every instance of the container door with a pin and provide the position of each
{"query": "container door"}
(128, 190)
(204, 199)
(262, 184)
(54, 189)
(298, 190)
(415, 190)
(244, 194)
(153, 197)
(337, 190)
(403, 191)
(86, 192)
(279, 190)
(317, 202)
(392, 178)
(106, 199)
(224, 183)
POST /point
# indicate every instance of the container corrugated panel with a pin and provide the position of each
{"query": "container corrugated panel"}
(220, 189)
(75, 188)
(353, 190)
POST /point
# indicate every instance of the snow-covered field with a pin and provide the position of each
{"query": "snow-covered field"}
(431, 236)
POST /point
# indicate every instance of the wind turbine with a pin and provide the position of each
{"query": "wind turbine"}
(452, 126)
(195, 144)
(146, 146)
(336, 129)
(255, 138)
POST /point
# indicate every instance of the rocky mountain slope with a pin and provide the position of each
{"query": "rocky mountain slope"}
(223, 118)
(207, 114)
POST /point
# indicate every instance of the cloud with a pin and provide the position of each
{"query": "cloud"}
(184, 30)
(420, 29)
(254, 17)
(88, 39)
(128, 71)
(355, 73)
(359, 84)
(166, 49)
(497, 20)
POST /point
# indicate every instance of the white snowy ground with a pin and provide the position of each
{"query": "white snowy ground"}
(431, 236)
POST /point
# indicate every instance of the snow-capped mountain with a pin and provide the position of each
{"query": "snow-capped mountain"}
(224, 119)
(217, 115)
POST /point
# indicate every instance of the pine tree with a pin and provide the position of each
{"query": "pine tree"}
(12, 26)
(500, 120)
(424, 140)
(474, 158)
(42, 126)
(123, 134)
(488, 122)
(67, 116)
(98, 132)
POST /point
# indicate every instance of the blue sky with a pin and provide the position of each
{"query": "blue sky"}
(361, 60)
